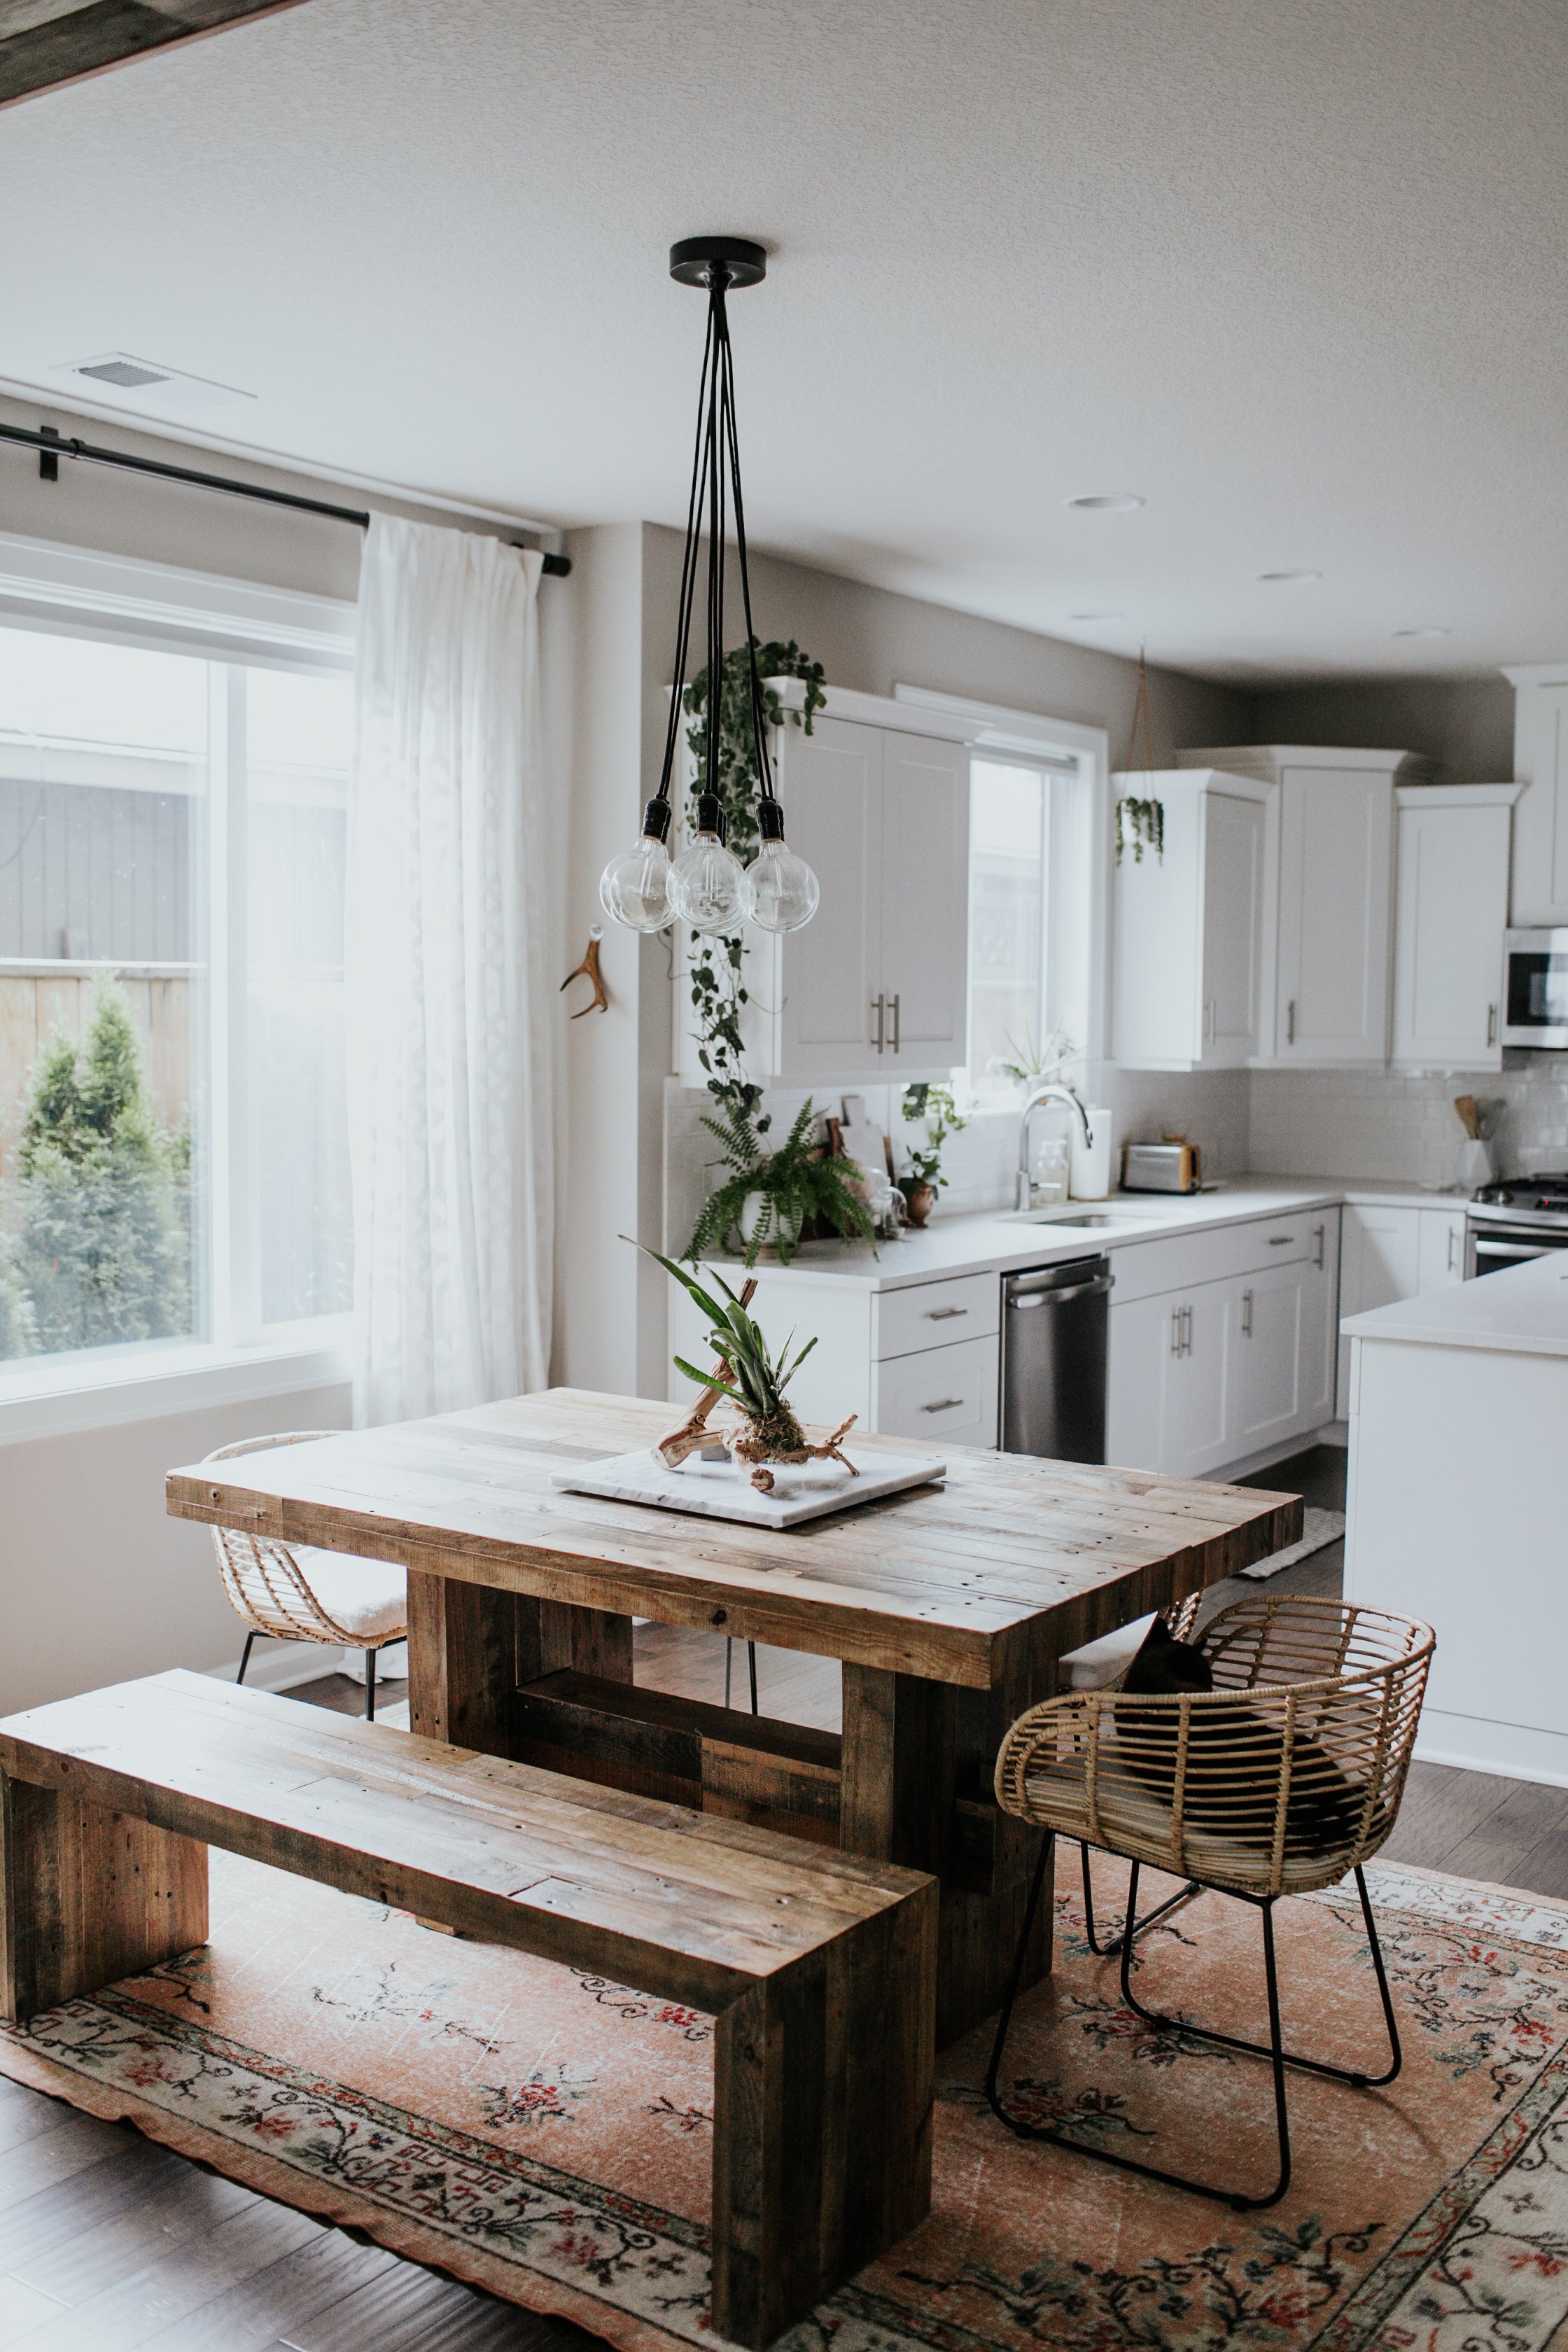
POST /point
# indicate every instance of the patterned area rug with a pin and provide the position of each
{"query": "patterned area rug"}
(545, 2134)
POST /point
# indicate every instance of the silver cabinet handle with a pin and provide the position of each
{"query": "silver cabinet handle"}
(1453, 1237)
(1290, 1023)
(1247, 1313)
(1319, 1235)
(943, 1404)
(895, 1024)
(879, 1007)
(1492, 1025)
(944, 1314)
(1176, 1314)
(1186, 1330)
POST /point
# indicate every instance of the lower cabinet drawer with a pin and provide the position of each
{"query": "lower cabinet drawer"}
(941, 1394)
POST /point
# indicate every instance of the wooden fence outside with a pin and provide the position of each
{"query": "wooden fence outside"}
(37, 999)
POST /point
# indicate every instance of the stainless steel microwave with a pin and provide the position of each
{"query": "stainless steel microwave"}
(1535, 987)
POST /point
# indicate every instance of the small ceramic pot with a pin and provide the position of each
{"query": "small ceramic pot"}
(922, 1199)
(750, 1210)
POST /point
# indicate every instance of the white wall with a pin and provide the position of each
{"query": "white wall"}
(97, 1584)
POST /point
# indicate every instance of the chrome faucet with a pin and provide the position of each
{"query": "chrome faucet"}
(1050, 1092)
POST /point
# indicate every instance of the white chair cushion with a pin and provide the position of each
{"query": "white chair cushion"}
(368, 1598)
(1099, 1663)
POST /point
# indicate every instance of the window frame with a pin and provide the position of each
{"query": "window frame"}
(1080, 838)
(234, 626)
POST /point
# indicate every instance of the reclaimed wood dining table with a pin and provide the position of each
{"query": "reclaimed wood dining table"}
(948, 1608)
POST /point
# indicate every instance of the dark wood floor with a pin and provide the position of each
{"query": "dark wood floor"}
(107, 2242)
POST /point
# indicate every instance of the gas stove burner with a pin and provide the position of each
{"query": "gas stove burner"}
(1543, 1192)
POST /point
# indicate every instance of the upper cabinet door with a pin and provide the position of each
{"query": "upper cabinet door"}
(1448, 930)
(925, 966)
(1336, 841)
(1233, 928)
(830, 782)
(1540, 823)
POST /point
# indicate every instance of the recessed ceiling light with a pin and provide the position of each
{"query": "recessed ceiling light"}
(1422, 633)
(1283, 579)
(1097, 617)
(1107, 501)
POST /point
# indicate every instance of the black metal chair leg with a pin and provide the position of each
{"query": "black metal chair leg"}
(729, 1659)
(751, 1662)
(244, 1657)
(1108, 1951)
(370, 1686)
(1351, 2075)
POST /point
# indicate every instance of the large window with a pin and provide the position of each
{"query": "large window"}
(172, 1148)
(1008, 874)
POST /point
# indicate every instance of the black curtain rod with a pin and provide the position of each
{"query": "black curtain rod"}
(52, 447)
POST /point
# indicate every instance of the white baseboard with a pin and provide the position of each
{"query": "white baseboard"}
(1512, 1751)
(1265, 1459)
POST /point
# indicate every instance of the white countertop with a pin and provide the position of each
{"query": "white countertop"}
(996, 1241)
(1522, 1312)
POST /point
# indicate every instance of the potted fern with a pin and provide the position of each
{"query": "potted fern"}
(770, 1197)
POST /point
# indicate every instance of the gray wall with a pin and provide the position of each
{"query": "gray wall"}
(1466, 724)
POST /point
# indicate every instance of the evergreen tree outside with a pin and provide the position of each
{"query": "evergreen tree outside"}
(103, 1245)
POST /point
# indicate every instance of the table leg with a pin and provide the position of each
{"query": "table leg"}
(910, 1747)
(470, 1646)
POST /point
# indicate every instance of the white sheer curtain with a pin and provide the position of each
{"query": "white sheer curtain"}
(448, 1043)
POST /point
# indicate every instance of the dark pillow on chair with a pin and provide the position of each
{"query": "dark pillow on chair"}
(1323, 1809)
(1164, 1667)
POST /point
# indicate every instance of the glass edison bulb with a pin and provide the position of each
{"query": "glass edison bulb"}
(707, 881)
(633, 889)
(782, 890)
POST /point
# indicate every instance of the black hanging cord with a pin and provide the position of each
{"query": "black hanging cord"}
(53, 446)
(715, 486)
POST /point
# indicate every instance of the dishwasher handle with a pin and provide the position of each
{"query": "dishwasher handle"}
(1056, 1297)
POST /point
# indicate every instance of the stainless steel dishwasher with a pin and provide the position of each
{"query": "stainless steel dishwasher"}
(1056, 1330)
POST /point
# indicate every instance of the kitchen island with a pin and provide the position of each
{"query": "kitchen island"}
(1457, 1508)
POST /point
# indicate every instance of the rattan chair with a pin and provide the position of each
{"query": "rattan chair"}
(1285, 1777)
(301, 1593)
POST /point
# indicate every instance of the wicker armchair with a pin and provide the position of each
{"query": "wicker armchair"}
(301, 1593)
(1285, 1776)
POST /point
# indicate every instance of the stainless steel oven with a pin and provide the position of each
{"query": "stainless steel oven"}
(1535, 987)
(1509, 1224)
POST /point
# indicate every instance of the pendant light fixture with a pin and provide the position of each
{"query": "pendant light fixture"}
(706, 885)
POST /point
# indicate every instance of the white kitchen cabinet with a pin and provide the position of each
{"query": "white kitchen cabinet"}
(1168, 1405)
(1540, 894)
(1188, 928)
(943, 1395)
(1320, 1321)
(1440, 1250)
(1265, 1383)
(1390, 1254)
(1328, 915)
(874, 988)
(1451, 910)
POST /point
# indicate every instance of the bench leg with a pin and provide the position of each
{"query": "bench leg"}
(822, 2120)
(89, 1897)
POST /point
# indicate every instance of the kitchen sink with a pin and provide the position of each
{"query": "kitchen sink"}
(1078, 1220)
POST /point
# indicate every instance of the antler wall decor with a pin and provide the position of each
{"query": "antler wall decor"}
(589, 969)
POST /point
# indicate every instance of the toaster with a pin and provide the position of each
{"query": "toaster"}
(1161, 1167)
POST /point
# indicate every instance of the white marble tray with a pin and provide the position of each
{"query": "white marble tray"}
(805, 1490)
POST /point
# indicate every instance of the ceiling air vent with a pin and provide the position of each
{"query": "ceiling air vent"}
(147, 383)
(127, 374)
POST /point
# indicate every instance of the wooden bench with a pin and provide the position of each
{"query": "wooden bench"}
(819, 1966)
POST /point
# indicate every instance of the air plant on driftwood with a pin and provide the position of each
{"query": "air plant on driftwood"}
(754, 1379)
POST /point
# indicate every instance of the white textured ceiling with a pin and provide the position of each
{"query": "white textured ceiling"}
(1294, 270)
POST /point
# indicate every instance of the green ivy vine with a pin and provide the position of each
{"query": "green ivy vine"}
(718, 986)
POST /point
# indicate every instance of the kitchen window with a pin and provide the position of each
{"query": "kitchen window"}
(1030, 934)
(173, 1159)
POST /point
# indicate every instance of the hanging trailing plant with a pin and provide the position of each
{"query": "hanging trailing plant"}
(719, 991)
(1139, 826)
(1140, 823)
